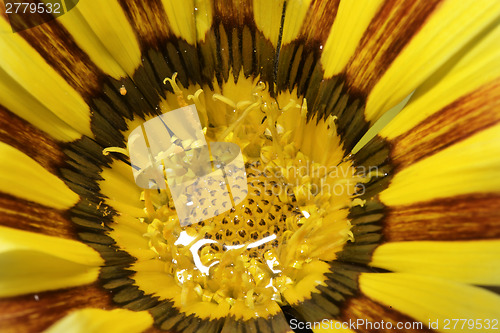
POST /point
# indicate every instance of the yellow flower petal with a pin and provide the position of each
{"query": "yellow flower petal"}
(453, 105)
(33, 263)
(203, 17)
(469, 166)
(97, 321)
(109, 23)
(186, 22)
(474, 262)
(87, 40)
(296, 12)
(23, 177)
(430, 299)
(450, 27)
(120, 189)
(353, 17)
(267, 16)
(480, 66)
(33, 90)
(66, 249)
(128, 233)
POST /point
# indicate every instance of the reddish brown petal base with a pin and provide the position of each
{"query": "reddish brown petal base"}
(364, 308)
(36, 312)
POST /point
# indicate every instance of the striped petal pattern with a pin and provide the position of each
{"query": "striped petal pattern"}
(425, 234)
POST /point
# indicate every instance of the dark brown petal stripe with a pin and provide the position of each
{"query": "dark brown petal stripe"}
(168, 318)
(277, 323)
(367, 219)
(298, 59)
(148, 21)
(35, 313)
(299, 67)
(366, 231)
(396, 22)
(298, 63)
(162, 50)
(464, 217)
(455, 122)
(364, 308)
(56, 45)
(29, 216)
(20, 134)
(234, 12)
(235, 42)
(375, 155)
(318, 22)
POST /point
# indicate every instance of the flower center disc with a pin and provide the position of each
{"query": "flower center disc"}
(232, 256)
(273, 247)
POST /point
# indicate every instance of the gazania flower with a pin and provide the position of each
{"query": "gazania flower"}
(396, 234)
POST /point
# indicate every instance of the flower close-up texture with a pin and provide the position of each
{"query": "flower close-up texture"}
(352, 166)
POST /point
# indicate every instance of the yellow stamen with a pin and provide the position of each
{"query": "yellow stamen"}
(176, 89)
(108, 150)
